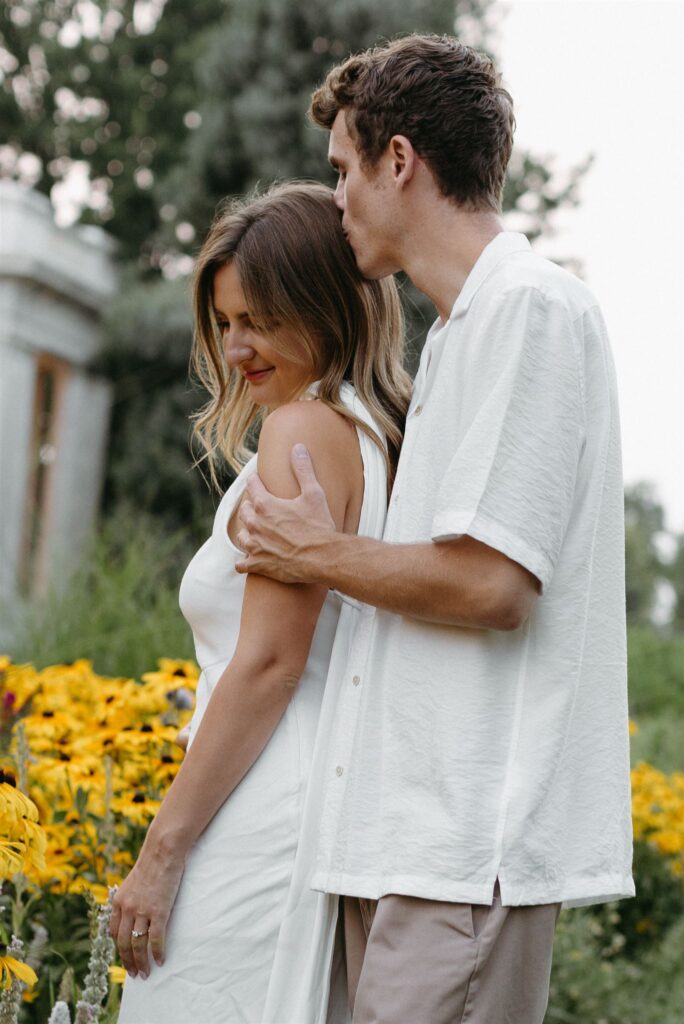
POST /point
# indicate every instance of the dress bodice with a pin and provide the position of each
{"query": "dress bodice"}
(211, 591)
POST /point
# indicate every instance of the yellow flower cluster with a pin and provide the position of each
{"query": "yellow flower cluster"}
(658, 811)
(101, 755)
(22, 840)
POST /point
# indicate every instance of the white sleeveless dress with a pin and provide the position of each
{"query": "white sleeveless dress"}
(248, 940)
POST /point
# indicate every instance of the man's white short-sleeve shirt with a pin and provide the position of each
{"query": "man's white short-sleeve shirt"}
(463, 755)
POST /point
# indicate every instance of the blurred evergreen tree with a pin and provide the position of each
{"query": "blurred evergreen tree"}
(675, 575)
(645, 565)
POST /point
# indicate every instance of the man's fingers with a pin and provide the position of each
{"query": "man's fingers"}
(302, 467)
(255, 490)
(243, 541)
(245, 510)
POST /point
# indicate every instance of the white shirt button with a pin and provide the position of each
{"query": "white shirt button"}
(339, 769)
(417, 411)
(356, 680)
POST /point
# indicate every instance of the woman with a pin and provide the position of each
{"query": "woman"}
(217, 909)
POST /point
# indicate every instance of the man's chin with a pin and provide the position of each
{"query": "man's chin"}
(373, 270)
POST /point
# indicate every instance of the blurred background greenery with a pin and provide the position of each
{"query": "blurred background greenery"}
(162, 109)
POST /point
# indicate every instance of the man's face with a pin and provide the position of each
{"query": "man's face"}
(364, 196)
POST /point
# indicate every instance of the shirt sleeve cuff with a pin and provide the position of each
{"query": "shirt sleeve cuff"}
(453, 524)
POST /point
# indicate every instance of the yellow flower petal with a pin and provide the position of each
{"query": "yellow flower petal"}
(10, 965)
(117, 974)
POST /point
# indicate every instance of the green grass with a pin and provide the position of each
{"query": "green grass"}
(120, 609)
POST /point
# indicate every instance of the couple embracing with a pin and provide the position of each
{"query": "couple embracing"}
(410, 740)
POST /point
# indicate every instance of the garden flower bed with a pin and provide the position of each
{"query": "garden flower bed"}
(85, 762)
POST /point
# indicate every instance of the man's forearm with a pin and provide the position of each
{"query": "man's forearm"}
(462, 583)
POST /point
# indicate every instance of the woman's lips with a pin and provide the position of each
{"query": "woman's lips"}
(254, 376)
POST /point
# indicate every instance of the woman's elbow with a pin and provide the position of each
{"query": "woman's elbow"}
(274, 670)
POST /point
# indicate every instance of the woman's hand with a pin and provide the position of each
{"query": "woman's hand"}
(183, 737)
(142, 905)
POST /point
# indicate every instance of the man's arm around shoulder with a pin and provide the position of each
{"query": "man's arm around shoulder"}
(461, 582)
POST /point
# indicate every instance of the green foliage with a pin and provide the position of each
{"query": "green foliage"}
(675, 575)
(620, 963)
(630, 927)
(592, 984)
(149, 333)
(656, 672)
(91, 82)
(120, 610)
(644, 520)
(656, 696)
(257, 77)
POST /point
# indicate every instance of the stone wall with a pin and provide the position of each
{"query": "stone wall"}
(54, 286)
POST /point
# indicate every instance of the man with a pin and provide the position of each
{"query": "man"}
(479, 776)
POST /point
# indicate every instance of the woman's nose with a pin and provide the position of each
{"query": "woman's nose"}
(238, 351)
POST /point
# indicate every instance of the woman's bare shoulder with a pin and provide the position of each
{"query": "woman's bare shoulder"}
(332, 443)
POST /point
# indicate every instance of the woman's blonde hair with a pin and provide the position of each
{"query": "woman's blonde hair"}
(299, 276)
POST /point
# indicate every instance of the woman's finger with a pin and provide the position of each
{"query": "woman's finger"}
(158, 940)
(115, 919)
(140, 937)
(123, 942)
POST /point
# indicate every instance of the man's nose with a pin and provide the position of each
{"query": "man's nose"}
(338, 197)
(238, 351)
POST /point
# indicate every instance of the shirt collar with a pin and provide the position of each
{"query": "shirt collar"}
(503, 244)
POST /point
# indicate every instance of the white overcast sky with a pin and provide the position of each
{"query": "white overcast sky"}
(607, 77)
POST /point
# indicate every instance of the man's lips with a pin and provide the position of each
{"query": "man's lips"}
(254, 376)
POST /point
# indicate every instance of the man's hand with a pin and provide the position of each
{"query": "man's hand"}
(280, 536)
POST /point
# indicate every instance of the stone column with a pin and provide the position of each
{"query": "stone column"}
(54, 413)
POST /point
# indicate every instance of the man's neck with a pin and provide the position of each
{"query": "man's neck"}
(442, 247)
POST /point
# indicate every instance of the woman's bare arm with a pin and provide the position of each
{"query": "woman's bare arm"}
(276, 628)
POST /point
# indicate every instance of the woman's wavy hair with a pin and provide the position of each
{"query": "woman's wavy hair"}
(299, 277)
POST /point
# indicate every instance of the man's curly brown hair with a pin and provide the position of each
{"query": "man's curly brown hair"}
(445, 97)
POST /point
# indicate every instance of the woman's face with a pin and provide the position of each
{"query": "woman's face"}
(273, 378)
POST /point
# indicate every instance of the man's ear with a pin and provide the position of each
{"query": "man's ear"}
(403, 158)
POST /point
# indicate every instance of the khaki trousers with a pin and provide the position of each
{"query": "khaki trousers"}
(415, 961)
